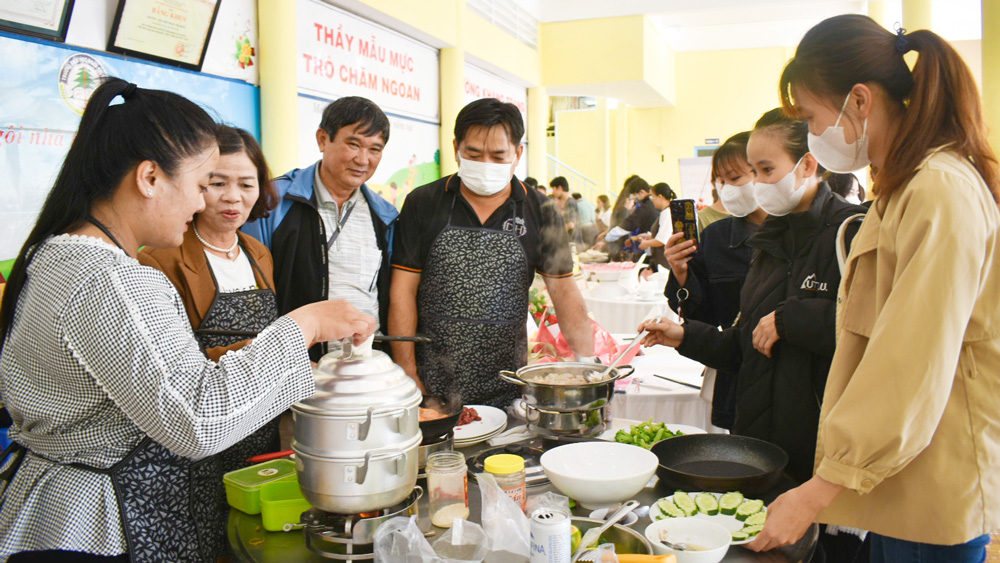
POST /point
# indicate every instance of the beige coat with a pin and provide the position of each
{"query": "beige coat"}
(911, 415)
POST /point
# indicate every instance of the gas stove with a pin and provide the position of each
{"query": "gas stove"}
(351, 537)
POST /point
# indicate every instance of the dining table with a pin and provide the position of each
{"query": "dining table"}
(621, 311)
(250, 543)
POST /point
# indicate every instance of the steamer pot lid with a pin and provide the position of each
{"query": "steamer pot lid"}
(350, 384)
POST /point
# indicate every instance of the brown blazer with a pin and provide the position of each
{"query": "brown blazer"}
(187, 268)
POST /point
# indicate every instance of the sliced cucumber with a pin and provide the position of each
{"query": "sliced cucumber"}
(740, 536)
(752, 530)
(748, 509)
(756, 519)
(685, 503)
(729, 502)
(669, 509)
(707, 503)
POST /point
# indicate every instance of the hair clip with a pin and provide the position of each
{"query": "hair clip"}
(129, 91)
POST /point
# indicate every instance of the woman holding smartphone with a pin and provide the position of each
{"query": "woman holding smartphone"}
(909, 433)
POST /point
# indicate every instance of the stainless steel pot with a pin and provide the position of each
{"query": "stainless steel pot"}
(351, 485)
(572, 423)
(566, 398)
(356, 439)
(361, 404)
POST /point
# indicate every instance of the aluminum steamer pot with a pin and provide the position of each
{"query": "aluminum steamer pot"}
(356, 439)
(566, 398)
(351, 485)
(360, 404)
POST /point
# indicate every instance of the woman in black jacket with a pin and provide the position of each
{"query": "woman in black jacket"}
(783, 339)
(707, 279)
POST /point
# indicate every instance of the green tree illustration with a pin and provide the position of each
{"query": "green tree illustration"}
(83, 79)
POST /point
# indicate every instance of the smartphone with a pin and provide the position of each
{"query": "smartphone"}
(684, 215)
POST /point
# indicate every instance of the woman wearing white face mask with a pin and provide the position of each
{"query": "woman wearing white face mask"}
(707, 279)
(911, 395)
(783, 339)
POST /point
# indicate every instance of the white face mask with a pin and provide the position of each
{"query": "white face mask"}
(739, 201)
(834, 153)
(484, 178)
(781, 197)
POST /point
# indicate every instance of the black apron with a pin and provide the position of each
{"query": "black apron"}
(231, 318)
(473, 302)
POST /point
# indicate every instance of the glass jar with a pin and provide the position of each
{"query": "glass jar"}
(508, 470)
(447, 481)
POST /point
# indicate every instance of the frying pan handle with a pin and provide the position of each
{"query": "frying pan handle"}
(511, 377)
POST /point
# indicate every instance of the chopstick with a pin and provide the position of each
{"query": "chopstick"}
(268, 457)
(691, 385)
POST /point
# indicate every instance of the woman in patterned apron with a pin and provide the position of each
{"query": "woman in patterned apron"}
(115, 406)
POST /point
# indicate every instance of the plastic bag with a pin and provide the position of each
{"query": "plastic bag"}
(464, 541)
(506, 526)
(548, 500)
(550, 345)
(399, 540)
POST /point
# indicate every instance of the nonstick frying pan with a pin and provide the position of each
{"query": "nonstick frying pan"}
(451, 406)
(719, 463)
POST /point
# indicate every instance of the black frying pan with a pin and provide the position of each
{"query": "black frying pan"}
(452, 406)
(719, 463)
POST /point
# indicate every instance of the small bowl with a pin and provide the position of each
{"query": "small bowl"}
(599, 473)
(602, 514)
(695, 532)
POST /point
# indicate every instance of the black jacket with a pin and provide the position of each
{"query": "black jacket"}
(793, 273)
(715, 279)
(296, 236)
(643, 215)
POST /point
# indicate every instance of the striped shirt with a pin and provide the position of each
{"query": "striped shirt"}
(100, 355)
(354, 259)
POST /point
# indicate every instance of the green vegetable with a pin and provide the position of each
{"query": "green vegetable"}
(749, 508)
(707, 504)
(752, 530)
(740, 536)
(756, 519)
(669, 509)
(645, 434)
(685, 503)
(729, 502)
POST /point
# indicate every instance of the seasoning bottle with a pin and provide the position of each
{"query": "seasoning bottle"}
(508, 470)
(447, 481)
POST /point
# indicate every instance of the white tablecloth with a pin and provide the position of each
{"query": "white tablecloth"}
(662, 400)
(624, 314)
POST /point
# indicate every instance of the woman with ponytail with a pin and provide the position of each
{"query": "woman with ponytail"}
(117, 414)
(909, 433)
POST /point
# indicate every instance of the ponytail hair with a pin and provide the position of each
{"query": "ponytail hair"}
(113, 139)
(939, 99)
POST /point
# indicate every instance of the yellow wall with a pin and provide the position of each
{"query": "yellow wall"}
(606, 50)
(718, 93)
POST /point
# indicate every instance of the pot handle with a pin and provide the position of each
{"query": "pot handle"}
(623, 371)
(366, 426)
(361, 473)
(511, 377)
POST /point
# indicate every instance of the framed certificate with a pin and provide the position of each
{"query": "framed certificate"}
(47, 19)
(174, 32)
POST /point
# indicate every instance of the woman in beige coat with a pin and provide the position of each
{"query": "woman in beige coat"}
(909, 435)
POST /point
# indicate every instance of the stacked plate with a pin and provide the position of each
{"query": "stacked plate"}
(492, 421)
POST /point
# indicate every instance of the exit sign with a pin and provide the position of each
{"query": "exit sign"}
(711, 141)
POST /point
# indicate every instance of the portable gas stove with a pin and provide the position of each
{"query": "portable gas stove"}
(351, 537)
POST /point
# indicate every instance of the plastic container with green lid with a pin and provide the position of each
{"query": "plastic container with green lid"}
(243, 485)
(508, 469)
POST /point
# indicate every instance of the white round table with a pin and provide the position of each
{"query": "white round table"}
(649, 396)
(624, 313)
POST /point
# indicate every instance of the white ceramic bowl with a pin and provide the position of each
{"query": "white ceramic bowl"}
(599, 473)
(695, 532)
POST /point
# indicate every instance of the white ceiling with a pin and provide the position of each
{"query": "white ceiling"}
(699, 25)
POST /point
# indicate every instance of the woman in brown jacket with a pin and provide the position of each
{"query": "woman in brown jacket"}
(224, 277)
(909, 431)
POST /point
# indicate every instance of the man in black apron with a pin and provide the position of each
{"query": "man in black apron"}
(466, 251)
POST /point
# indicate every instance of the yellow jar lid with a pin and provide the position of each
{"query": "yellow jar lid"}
(504, 463)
